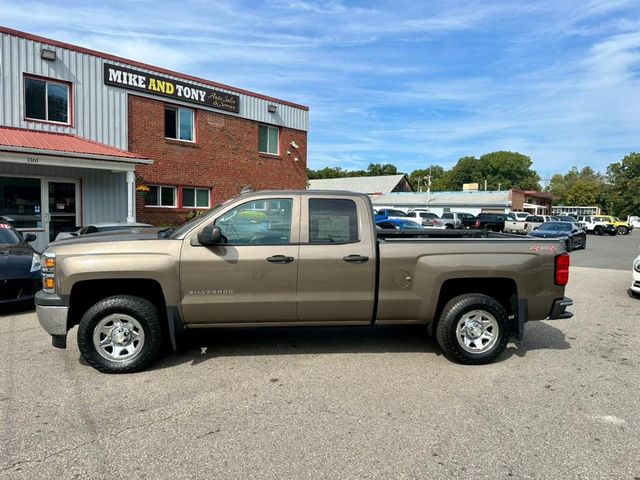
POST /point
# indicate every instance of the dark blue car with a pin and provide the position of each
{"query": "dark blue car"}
(399, 224)
(20, 276)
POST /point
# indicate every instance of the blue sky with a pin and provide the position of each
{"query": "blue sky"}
(409, 83)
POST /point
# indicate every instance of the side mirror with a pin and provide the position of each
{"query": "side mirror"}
(30, 237)
(210, 235)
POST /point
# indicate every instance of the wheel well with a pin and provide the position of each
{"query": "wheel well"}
(86, 293)
(504, 290)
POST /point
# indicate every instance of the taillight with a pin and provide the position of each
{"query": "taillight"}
(562, 269)
(477, 224)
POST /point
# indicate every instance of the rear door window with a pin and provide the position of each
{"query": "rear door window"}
(333, 220)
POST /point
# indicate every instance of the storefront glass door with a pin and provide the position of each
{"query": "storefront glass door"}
(63, 207)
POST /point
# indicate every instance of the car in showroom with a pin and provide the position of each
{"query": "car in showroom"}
(20, 267)
(574, 237)
(101, 227)
(635, 283)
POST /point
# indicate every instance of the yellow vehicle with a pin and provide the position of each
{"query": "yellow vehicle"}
(622, 227)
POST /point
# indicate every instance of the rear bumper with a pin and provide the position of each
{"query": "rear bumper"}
(559, 309)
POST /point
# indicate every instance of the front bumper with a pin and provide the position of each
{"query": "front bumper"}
(53, 317)
(559, 309)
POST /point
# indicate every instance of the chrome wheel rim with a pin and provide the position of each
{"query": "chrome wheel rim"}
(477, 331)
(118, 337)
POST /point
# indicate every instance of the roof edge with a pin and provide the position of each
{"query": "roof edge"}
(135, 63)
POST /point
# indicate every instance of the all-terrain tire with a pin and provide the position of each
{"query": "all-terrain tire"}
(471, 308)
(622, 230)
(140, 317)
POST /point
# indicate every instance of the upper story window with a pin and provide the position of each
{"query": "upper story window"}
(46, 100)
(178, 123)
(268, 139)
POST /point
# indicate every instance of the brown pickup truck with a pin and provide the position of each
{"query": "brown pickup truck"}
(280, 258)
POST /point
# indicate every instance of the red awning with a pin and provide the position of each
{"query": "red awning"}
(23, 140)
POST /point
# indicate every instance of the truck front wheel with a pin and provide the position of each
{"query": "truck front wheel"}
(120, 334)
(473, 329)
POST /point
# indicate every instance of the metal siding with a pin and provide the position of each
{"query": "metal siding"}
(104, 194)
(100, 111)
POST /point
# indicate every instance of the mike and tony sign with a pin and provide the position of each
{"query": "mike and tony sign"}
(167, 87)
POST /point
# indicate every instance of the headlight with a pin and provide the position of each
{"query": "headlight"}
(636, 266)
(35, 263)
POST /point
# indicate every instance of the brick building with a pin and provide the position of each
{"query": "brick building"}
(82, 131)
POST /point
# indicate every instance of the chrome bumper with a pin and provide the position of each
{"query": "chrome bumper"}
(53, 319)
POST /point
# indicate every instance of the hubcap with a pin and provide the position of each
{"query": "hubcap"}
(118, 337)
(477, 331)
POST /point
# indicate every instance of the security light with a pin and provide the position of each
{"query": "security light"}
(46, 54)
(272, 108)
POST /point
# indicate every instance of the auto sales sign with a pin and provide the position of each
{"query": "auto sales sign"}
(167, 87)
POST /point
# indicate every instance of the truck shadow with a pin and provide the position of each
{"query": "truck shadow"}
(203, 346)
(537, 336)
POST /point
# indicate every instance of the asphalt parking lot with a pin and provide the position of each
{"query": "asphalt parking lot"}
(341, 403)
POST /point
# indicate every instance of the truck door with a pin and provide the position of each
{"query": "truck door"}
(253, 277)
(336, 276)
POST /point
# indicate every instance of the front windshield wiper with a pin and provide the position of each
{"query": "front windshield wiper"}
(165, 232)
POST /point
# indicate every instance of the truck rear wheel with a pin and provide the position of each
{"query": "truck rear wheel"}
(473, 329)
(120, 334)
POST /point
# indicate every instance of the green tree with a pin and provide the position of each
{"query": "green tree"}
(623, 190)
(466, 170)
(504, 170)
(579, 187)
(418, 177)
(377, 169)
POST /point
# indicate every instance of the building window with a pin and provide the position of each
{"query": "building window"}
(178, 123)
(20, 202)
(160, 196)
(46, 100)
(195, 197)
(268, 139)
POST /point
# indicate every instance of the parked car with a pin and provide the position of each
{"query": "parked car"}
(455, 220)
(101, 227)
(399, 224)
(490, 221)
(527, 225)
(572, 219)
(20, 268)
(572, 235)
(635, 283)
(598, 225)
(520, 215)
(428, 218)
(622, 227)
(393, 213)
(128, 291)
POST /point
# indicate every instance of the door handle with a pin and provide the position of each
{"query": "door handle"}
(279, 259)
(355, 258)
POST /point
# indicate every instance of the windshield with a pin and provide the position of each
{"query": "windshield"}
(555, 227)
(8, 236)
(191, 223)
